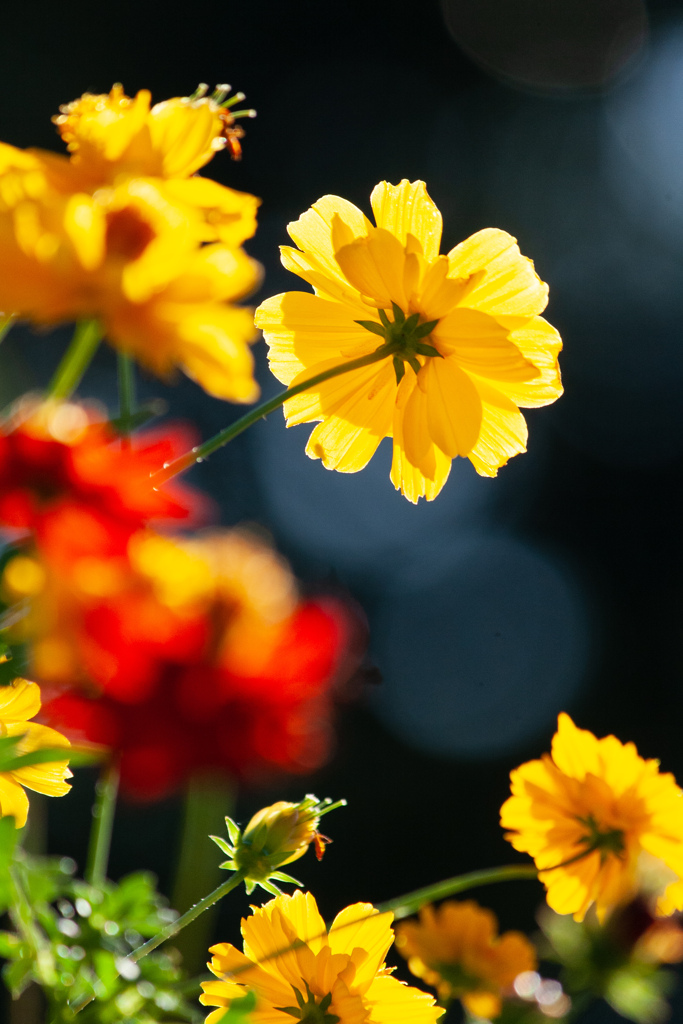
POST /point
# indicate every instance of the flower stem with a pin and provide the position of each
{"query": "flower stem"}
(103, 822)
(87, 336)
(187, 918)
(184, 462)
(207, 801)
(403, 906)
(126, 375)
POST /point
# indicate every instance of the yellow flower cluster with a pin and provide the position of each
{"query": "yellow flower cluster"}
(119, 232)
(601, 823)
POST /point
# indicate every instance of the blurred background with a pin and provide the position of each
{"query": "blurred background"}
(556, 586)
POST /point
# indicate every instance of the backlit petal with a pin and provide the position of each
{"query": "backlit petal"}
(19, 701)
(503, 431)
(406, 209)
(454, 411)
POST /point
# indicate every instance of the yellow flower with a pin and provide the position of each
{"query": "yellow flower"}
(457, 949)
(131, 257)
(18, 702)
(321, 978)
(465, 346)
(111, 134)
(599, 821)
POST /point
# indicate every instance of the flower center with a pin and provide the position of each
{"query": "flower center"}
(128, 235)
(403, 338)
(606, 840)
(308, 1011)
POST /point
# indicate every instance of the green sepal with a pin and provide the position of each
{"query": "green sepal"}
(233, 830)
(410, 324)
(424, 329)
(399, 369)
(372, 326)
(270, 887)
(249, 886)
(384, 318)
(293, 1011)
(427, 350)
(414, 362)
(282, 877)
(222, 845)
(229, 865)
(399, 315)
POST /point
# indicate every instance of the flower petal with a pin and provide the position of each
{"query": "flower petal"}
(502, 281)
(406, 209)
(312, 232)
(46, 778)
(454, 412)
(19, 701)
(393, 1001)
(503, 432)
(479, 344)
(303, 329)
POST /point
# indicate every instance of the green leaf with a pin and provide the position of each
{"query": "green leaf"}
(46, 755)
(239, 1010)
(18, 976)
(372, 326)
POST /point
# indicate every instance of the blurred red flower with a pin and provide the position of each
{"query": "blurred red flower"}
(201, 658)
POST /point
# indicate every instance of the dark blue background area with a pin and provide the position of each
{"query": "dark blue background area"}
(557, 586)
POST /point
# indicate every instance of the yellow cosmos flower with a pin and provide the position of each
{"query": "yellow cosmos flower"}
(322, 978)
(599, 821)
(457, 949)
(18, 702)
(112, 134)
(464, 344)
(131, 257)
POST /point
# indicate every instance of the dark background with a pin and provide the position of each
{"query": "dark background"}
(559, 585)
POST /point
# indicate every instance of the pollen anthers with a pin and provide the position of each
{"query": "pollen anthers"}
(219, 103)
(404, 338)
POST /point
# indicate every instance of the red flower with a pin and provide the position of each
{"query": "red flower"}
(57, 453)
(203, 660)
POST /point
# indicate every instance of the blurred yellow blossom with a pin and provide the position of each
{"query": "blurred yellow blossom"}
(456, 948)
(600, 822)
(20, 701)
(131, 257)
(299, 971)
(464, 344)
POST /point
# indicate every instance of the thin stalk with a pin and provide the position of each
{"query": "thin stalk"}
(103, 823)
(202, 451)
(207, 801)
(127, 402)
(187, 918)
(86, 337)
(403, 906)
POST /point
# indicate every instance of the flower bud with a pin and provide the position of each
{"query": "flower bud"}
(275, 836)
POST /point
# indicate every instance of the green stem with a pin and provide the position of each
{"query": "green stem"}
(187, 918)
(87, 336)
(207, 801)
(126, 374)
(403, 906)
(184, 462)
(103, 822)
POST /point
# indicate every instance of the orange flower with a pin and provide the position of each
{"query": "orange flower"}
(457, 949)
